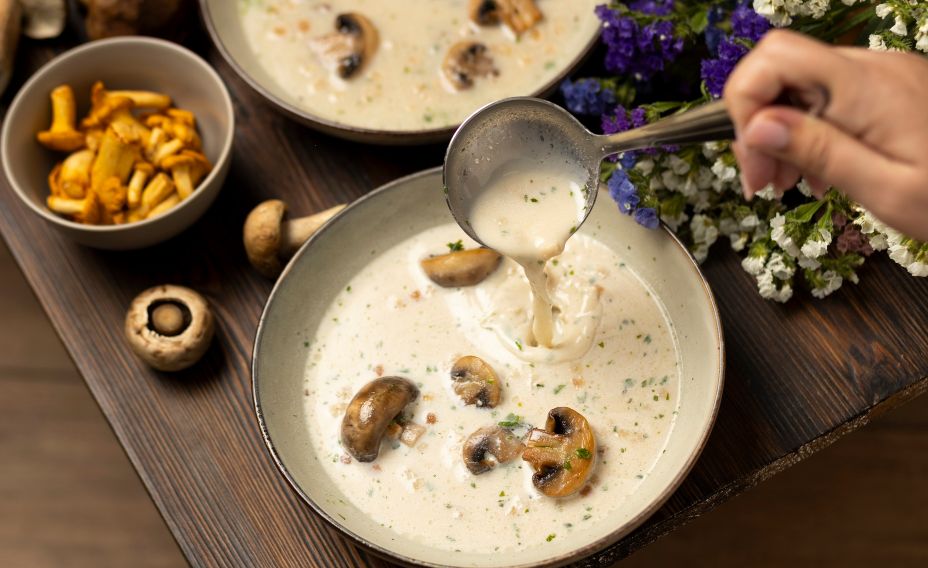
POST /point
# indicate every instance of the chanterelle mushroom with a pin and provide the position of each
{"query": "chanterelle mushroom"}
(475, 382)
(462, 267)
(371, 411)
(169, 327)
(350, 46)
(269, 239)
(491, 441)
(465, 61)
(62, 134)
(562, 455)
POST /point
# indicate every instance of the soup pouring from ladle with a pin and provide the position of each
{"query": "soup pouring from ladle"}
(537, 132)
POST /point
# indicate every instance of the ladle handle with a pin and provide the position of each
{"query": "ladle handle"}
(705, 123)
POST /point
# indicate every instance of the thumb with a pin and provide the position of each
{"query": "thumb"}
(817, 149)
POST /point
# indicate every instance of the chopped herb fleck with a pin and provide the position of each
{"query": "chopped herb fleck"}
(584, 453)
(567, 465)
(550, 537)
(559, 388)
(456, 246)
(511, 421)
(602, 344)
(519, 344)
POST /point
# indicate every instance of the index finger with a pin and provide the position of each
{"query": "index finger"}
(788, 60)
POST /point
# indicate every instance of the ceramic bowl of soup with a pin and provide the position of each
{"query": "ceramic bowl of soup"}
(356, 307)
(398, 72)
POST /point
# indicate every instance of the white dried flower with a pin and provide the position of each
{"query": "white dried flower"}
(723, 171)
(877, 43)
(832, 281)
(753, 265)
(728, 225)
(767, 286)
(768, 192)
(749, 222)
(779, 236)
(816, 244)
(674, 222)
(778, 266)
(645, 166)
(899, 28)
(678, 165)
(804, 187)
(806, 262)
(738, 241)
(918, 269)
(883, 10)
(704, 230)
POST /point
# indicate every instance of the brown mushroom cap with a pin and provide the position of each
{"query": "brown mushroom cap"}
(461, 268)
(169, 327)
(484, 12)
(262, 236)
(494, 441)
(563, 454)
(369, 413)
(465, 61)
(475, 382)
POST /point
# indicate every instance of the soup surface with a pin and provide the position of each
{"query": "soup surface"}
(402, 86)
(392, 320)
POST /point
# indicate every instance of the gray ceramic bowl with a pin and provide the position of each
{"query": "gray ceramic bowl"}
(121, 63)
(222, 21)
(393, 213)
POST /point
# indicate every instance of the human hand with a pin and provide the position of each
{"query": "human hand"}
(871, 142)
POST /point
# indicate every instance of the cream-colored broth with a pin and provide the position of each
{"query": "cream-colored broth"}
(392, 320)
(402, 87)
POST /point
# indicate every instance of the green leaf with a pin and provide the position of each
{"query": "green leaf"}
(805, 212)
(699, 21)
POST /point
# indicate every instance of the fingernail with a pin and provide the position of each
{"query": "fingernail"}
(767, 134)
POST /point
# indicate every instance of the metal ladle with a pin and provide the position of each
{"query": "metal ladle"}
(538, 132)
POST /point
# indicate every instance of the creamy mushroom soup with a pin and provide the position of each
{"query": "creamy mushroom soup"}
(527, 212)
(421, 70)
(392, 320)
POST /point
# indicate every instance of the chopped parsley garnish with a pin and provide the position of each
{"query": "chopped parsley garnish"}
(550, 537)
(456, 246)
(559, 388)
(511, 421)
(519, 344)
(584, 453)
(567, 465)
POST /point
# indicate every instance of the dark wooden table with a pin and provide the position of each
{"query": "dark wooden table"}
(798, 376)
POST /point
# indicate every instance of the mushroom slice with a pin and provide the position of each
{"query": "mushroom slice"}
(495, 441)
(371, 411)
(465, 61)
(562, 455)
(485, 12)
(475, 382)
(462, 267)
(520, 15)
(350, 46)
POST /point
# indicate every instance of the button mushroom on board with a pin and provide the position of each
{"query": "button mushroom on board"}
(270, 240)
(475, 382)
(494, 442)
(169, 327)
(461, 267)
(350, 46)
(563, 454)
(369, 413)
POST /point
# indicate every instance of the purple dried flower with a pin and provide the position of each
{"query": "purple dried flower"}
(623, 192)
(654, 7)
(647, 217)
(713, 33)
(748, 24)
(586, 96)
(638, 51)
(852, 240)
(715, 72)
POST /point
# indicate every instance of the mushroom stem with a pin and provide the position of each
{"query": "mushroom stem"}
(295, 232)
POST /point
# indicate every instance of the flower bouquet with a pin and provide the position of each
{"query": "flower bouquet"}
(665, 56)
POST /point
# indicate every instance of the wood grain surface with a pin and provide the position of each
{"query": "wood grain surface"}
(798, 376)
